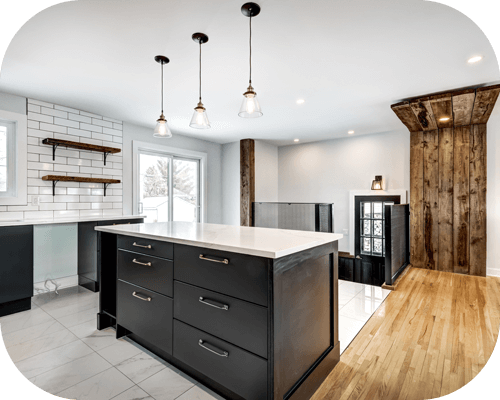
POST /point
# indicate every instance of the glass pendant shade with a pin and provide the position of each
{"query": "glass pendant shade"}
(162, 130)
(200, 118)
(250, 108)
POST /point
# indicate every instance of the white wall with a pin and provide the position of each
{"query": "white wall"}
(214, 185)
(231, 183)
(266, 172)
(325, 172)
(493, 196)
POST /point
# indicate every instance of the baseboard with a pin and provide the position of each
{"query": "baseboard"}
(399, 278)
(62, 283)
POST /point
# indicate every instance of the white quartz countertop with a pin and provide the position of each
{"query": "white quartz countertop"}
(263, 242)
(18, 222)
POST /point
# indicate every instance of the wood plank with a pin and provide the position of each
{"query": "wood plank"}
(445, 260)
(486, 98)
(478, 200)
(80, 146)
(431, 199)
(423, 111)
(247, 181)
(78, 179)
(442, 108)
(463, 104)
(461, 235)
(406, 115)
(416, 199)
(423, 340)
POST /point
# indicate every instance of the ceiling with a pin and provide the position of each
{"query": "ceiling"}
(350, 60)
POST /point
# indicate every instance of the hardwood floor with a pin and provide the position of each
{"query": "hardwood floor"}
(429, 338)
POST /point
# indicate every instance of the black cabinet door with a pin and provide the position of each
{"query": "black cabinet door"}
(16, 267)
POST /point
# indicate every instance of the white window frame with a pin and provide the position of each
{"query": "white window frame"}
(19, 162)
(138, 146)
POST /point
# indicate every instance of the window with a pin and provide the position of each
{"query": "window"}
(13, 159)
(7, 158)
(373, 227)
(168, 184)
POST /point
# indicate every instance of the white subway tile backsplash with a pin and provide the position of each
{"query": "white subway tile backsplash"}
(67, 109)
(101, 122)
(80, 161)
(72, 199)
(66, 168)
(52, 128)
(79, 118)
(38, 214)
(66, 122)
(55, 113)
(34, 108)
(100, 136)
(33, 124)
(49, 159)
(110, 131)
(66, 214)
(90, 127)
(40, 117)
(40, 103)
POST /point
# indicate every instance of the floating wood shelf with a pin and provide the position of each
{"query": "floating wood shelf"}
(57, 178)
(55, 143)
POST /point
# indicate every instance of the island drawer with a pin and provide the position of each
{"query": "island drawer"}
(238, 370)
(237, 275)
(147, 314)
(149, 272)
(236, 321)
(155, 248)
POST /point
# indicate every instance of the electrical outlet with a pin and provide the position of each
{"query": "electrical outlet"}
(35, 201)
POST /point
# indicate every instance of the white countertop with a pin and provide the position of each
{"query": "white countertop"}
(18, 222)
(263, 242)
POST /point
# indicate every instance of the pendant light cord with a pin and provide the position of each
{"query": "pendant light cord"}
(200, 71)
(161, 88)
(250, 43)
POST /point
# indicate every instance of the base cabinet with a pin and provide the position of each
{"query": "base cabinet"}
(248, 327)
(16, 269)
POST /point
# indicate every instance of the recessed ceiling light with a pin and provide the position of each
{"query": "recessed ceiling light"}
(301, 101)
(295, 140)
(444, 119)
(350, 132)
(474, 59)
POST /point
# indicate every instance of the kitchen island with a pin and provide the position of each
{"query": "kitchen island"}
(251, 313)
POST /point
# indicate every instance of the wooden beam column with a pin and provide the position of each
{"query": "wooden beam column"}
(247, 181)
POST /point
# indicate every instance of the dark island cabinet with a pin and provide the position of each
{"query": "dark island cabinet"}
(248, 327)
(89, 256)
(16, 269)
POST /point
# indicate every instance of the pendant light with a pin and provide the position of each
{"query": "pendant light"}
(250, 107)
(200, 118)
(162, 130)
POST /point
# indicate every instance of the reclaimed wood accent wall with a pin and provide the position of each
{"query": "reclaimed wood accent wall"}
(247, 181)
(448, 178)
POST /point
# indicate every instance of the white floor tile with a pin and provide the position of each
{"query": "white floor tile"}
(34, 332)
(78, 318)
(361, 307)
(83, 304)
(40, 345)
(23, 320)
(103, 386)
(51, 359)
(140, 367)
(100, 339)
(199, 392)
(351, 288)
(86, 329)
(166, 385)
(70, 374)
(348, 329)
(119, 352)
(134, 393)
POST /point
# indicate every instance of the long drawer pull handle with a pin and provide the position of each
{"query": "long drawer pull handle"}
(221, 354)
(224, 261)
(148, 264)
(223, 307)
(140, 245)
(141, 298)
